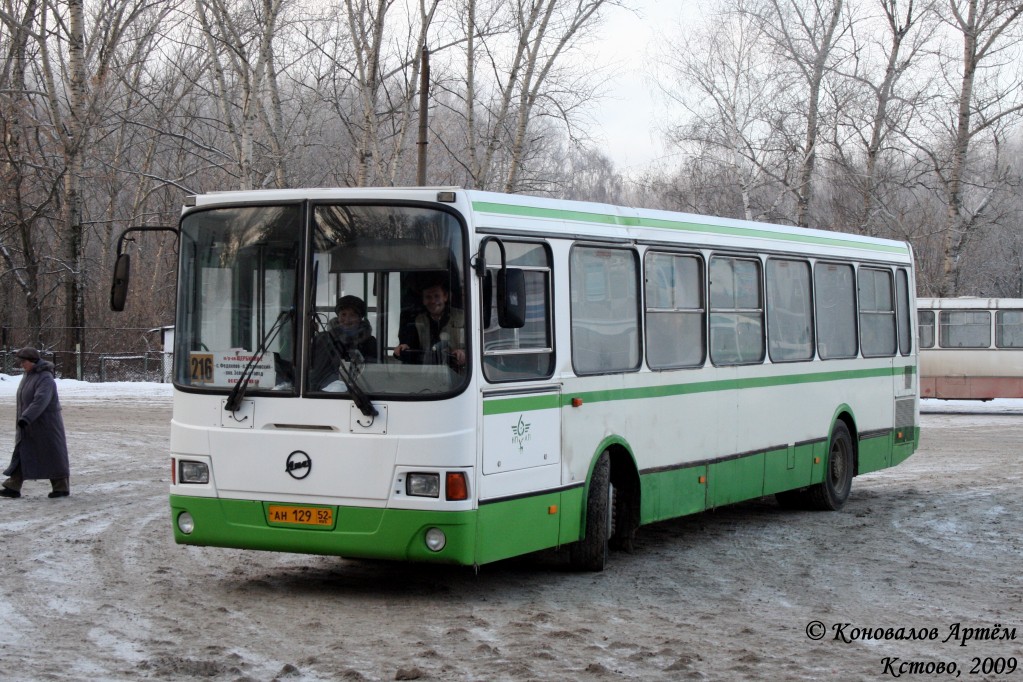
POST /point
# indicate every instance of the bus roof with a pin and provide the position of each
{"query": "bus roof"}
(494, 212)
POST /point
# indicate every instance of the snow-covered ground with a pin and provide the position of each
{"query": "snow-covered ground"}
(71, 390)
(999, 406)
(95, 588)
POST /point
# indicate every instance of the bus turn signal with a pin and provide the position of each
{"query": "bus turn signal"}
(455, 486)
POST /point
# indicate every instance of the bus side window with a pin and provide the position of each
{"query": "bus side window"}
(1009, 329)
(675, 312)
(905, 323)
(526, 352)
(964, 329)
(789, 310)
(877, 313)
(605, 310)
(736, 311)
(835, 304)
(925, 328)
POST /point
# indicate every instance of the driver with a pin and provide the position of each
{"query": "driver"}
(439, 330)
(349, 337)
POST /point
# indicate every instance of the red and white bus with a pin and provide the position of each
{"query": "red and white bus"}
(971, 348)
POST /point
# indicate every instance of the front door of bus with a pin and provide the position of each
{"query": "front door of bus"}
(521, 459)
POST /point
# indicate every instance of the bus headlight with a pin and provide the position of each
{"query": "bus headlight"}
(186, 524)
(194, 472)
(435, 539)
(423, 485)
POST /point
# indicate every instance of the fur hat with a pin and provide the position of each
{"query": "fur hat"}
(28, 353)
(352, 303)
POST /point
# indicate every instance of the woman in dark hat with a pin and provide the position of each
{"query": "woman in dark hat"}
(352, 328)
(349, 337)
(40, 446)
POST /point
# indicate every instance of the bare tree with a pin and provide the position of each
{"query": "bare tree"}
(718, 77)
(368, 59)
(75, 125)
(22, 206)
(58, 89)
(806, 35)
(887, 71)
(987, 103)
(592, 176)
(93, 44)
(366, 28)
(240, 50)
(517, 73)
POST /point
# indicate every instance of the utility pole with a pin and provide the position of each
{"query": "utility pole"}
(424, 115)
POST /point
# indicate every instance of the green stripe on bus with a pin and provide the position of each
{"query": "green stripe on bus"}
(359, 532)
(633, 221)
(522, 404)
(546, 402)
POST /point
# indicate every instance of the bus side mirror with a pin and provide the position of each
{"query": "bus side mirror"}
(119, 288)
(511, 298)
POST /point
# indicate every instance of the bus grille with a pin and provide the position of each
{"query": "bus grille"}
(904, 413)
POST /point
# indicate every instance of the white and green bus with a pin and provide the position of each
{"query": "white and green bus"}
(593, 368)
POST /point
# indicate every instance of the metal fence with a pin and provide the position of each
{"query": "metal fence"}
(153, 366)
(131, 355)
(150, 366)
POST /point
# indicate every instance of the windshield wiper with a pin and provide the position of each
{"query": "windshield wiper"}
(359, 396)
(234, 398)
(349, 377)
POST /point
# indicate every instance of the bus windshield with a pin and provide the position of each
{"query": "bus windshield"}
(382, 309)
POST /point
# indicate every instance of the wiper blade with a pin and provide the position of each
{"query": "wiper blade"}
(351, 379)
(234, 398)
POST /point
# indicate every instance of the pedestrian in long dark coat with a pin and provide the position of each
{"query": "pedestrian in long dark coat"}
(40, 446)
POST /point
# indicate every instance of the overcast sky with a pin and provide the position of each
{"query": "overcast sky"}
(627, 118)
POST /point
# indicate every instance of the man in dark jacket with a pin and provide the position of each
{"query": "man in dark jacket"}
(40, 446)
(437, 335)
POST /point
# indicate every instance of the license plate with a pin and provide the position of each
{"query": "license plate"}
(303, 516)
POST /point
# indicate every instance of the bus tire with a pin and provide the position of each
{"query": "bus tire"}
(590, 552)
(831, 493)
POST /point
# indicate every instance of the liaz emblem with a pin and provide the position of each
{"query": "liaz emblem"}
(298, 465)
(520, 433)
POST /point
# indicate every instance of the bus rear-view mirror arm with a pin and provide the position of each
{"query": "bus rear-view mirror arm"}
(122, 266)
(511, 289)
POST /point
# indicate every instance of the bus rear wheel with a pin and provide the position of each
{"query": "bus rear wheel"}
(831, 493)
(590, 552)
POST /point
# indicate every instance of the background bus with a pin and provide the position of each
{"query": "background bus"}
(621, 366)
(971, 348)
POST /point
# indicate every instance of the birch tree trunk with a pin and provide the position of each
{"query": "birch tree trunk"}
(74, 238)
(367, 29)
(898, 30)
(728, 91)
(986, 28)
(16, 217)
(545, 35)
(806, 35)
(241, 56)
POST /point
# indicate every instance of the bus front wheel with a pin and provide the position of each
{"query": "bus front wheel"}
(590, 552)
(831, 493)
